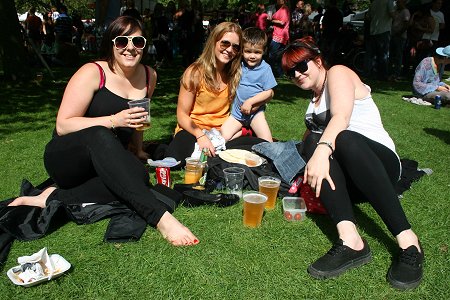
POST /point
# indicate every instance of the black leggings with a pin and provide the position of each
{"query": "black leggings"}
(362, 169)
(182, 146)
(92, 166)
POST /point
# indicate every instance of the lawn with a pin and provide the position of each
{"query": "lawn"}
(231, 262)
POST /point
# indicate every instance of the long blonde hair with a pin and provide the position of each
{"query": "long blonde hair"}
(205, 68)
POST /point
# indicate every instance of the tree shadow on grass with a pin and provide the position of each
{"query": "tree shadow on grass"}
(366, 223)
(444, 135)
(32, 106)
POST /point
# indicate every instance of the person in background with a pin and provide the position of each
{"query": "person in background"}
(254, 90)
(317, 23)
(48, 31)
(79, 29)
(280, 36)
(160, 35)
(427, 82)
(306, 25)
(296, 16)
(400, 23)
(350, 157)
(33, 27)
(63, 27)
(130, 10)
(207, 89)
(88, 156)
(55, 13)
(381, 13)
(261, 17)
(332, 23)
(439, 20)
(421, 22)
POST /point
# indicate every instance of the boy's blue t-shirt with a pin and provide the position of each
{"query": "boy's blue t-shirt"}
(253, 81)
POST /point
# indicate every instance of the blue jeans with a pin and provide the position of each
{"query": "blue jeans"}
(275, 52)
(285, 157)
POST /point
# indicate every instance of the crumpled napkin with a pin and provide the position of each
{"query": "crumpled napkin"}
(32, 266)
(216, 139)
(167, 162)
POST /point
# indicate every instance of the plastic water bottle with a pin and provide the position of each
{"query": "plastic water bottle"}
(437, 102)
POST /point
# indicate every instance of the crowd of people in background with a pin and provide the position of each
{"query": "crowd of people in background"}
(395, 38)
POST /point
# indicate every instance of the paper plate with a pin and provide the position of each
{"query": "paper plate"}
(61, 266)
(239, 156)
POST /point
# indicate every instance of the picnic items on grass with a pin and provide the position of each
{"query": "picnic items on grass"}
(37, 268)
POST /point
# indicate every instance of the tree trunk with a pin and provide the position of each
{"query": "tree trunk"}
(12, 48)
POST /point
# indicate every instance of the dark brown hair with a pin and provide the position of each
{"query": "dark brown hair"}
(123, 25)
(254, 36)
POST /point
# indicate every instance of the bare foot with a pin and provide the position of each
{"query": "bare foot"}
(175, 232)
(38, 200)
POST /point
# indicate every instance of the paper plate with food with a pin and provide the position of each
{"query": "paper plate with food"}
(240, 156)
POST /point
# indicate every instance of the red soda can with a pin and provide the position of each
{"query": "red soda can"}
(163, 176)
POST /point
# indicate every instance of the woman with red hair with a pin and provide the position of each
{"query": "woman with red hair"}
(350, 157)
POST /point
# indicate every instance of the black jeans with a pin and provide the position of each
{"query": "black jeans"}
(362, 170)
(92, 166)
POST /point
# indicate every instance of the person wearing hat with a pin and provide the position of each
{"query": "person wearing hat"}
(427, 82)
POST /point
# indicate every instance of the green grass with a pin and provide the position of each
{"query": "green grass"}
(231, 262)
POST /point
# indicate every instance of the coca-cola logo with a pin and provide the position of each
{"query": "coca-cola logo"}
(163, 174)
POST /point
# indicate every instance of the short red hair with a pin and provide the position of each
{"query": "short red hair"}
(300, 50)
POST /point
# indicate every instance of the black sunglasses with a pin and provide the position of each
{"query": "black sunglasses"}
(301, 67)
(121, 42)
(224, 44)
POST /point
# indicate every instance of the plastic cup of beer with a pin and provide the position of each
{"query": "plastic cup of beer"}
(146, 120)
(193, 170)
(253, 208)
(269, 186)
(234, 180)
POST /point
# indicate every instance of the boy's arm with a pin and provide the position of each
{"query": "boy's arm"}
(254, 103)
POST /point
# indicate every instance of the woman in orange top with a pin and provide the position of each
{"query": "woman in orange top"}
(207, 88)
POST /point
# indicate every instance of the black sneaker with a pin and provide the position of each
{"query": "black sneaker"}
(406, 270)
(339, 259)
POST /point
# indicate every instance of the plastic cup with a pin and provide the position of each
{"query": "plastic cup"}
(269, 186)
(253, 208)
(252, 160)
(193, 170)
(144, 103)
(234, 180)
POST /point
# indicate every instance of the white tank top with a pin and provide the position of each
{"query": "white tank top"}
(365, 119)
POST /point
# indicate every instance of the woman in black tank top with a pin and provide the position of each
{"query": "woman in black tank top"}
(88, 156)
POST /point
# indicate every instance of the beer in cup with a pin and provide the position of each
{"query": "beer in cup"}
(193, 170)
(269, 186)
(144, 103)
(253, 208)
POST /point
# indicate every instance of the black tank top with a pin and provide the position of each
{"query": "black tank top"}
(106, 103)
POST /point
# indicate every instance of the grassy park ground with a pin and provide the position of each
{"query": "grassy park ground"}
(231, 262)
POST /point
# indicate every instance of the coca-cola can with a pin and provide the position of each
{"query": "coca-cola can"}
(163, 176)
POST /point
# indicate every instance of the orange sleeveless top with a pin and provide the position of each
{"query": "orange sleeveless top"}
(210, 110)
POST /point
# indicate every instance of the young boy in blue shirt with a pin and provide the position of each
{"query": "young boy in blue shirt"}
(254, 90)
